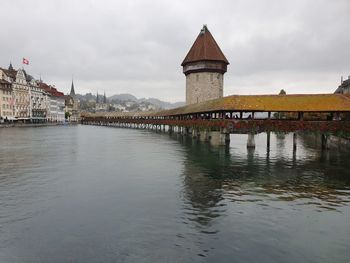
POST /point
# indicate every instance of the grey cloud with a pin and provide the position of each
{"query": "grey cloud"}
(137, 46)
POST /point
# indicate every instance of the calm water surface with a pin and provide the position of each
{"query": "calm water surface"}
(97, 194)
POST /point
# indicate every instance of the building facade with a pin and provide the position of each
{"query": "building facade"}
(6, 101)
(55, 103)
(72, 105)
(204, 67)
(25, 99)
(344, 87)
(57, 107)
(38, 102)
(101, 103)
(21, 93)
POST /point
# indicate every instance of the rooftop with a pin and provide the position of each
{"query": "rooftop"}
(53, 91)
(272, 103)
(257, 103)
(204, 48)
(5, 85)
(10, 72)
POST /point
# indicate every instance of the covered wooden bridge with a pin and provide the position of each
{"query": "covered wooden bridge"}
(214, 120)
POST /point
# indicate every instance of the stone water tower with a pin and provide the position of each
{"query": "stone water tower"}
(204, 67)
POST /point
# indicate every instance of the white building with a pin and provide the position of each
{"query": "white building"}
(38, 102)
(20, 93)
(6, 101)
(55, 103)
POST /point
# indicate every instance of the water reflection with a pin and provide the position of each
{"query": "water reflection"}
(214, 176)
(96, 194)
(203, 185)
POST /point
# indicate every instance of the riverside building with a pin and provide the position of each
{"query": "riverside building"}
(72, 105)
(55, 103)
(20, 93)
(6, 101)
(344, 87)
(25, 99)
(38, 102)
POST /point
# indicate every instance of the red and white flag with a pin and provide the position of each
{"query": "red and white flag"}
(25, 61)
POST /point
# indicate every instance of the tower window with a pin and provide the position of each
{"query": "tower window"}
(197, 77)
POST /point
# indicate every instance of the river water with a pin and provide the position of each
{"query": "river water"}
(98, 194)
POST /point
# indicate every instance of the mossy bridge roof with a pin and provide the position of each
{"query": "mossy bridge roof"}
(257, 103)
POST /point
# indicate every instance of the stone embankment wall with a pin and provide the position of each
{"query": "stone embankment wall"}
(22, 125)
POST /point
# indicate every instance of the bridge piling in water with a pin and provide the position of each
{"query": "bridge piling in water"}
(325, 142)
(215, 138)
(294, 142)
(251, 140)
(195, 133)
(225, 136)
(204, 135)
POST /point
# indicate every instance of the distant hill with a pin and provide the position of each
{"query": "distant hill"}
(124, 97)
(154, 101)
(162, 104)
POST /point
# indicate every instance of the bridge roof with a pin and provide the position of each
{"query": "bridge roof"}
(249, 103)
(266, 103)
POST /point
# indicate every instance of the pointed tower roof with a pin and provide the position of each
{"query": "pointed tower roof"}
(10, 66)
(205, 48)
(104, 97)
(72, 91)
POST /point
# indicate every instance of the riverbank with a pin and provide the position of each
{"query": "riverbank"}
(27, 125)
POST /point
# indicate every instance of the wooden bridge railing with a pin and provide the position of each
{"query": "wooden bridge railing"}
(336, 127)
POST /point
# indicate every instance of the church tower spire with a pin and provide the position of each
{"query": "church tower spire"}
(72, 91)
(10, 66)
(204, 66)
(104, 97)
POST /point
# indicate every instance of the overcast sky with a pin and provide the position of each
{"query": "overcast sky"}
(137, 46)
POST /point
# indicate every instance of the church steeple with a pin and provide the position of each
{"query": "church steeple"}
(97, 98)
(72, 91)
(10, 66)
(104, 98)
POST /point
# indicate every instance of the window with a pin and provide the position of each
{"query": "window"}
(197, 77)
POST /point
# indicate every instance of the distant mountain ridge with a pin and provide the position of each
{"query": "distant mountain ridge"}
(154, 101)
(124, 97)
